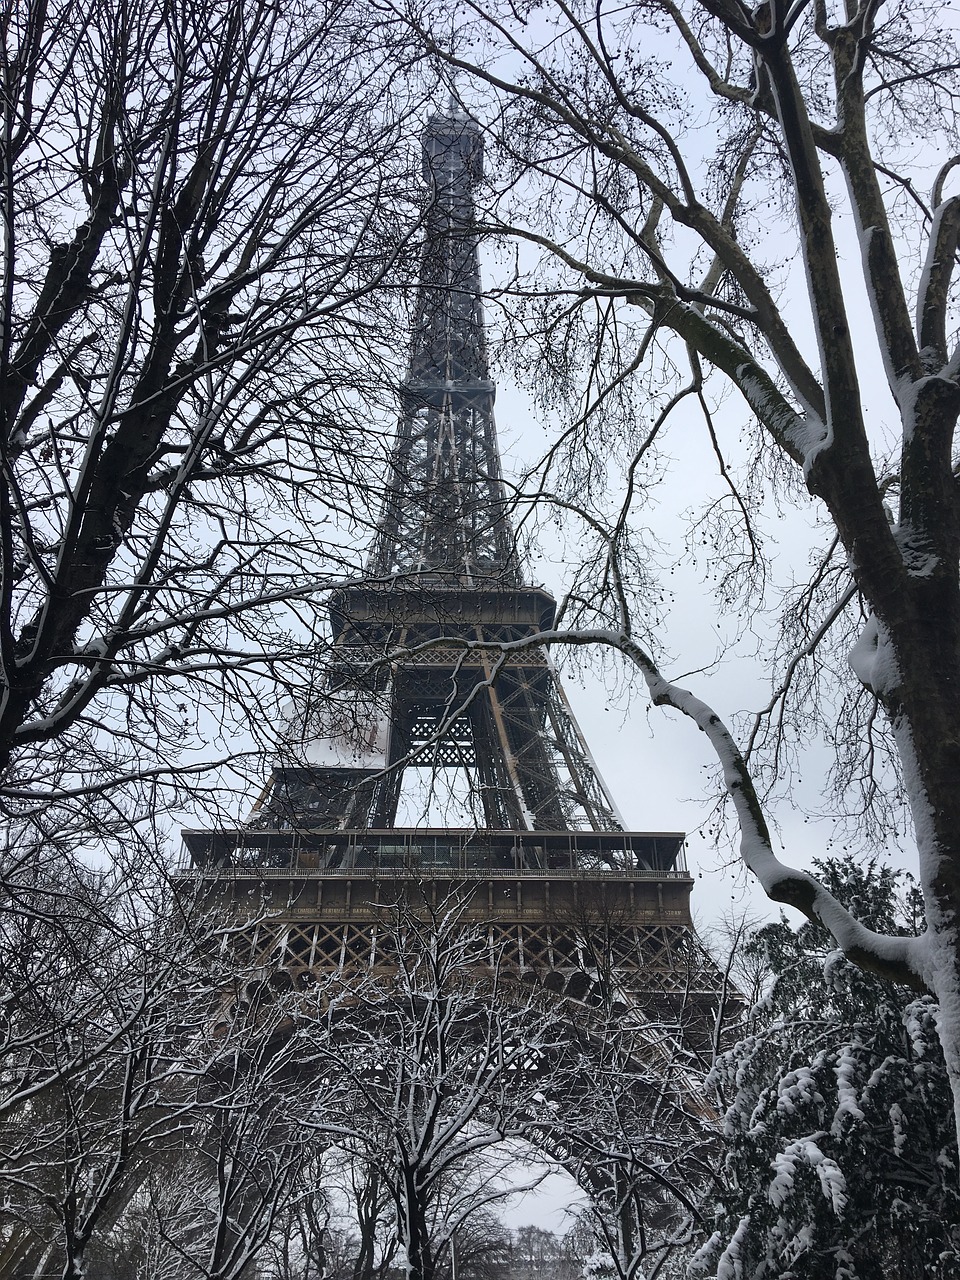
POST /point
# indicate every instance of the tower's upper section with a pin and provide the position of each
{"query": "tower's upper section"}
(449, 347)
(444, 511)
(452, 145)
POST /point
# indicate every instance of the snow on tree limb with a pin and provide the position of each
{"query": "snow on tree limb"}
(900, 959)
(934, 291)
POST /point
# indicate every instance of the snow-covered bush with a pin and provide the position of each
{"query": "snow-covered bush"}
(841, 1156)
(599, 1266)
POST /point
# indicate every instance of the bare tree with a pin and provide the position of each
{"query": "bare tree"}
(445, 1053)
(205, 224)
(205, 218)
(625, 1111)
(661, 284)
(90, 988)
(248, 1157)
(538, 1254)
(148, 1119)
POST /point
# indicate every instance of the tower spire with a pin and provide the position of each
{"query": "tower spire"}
(444, 512)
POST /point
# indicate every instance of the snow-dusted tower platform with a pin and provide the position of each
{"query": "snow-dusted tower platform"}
(410, 690)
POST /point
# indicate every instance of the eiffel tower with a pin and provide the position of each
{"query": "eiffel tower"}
(415, 688)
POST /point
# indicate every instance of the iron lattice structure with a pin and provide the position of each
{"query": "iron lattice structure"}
(548, 863)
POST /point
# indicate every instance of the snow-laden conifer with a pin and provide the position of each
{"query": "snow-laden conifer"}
(840, 1152)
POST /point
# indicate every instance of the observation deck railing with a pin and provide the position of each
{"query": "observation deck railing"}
(440, 851)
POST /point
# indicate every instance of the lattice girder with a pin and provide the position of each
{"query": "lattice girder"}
(659, 977)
